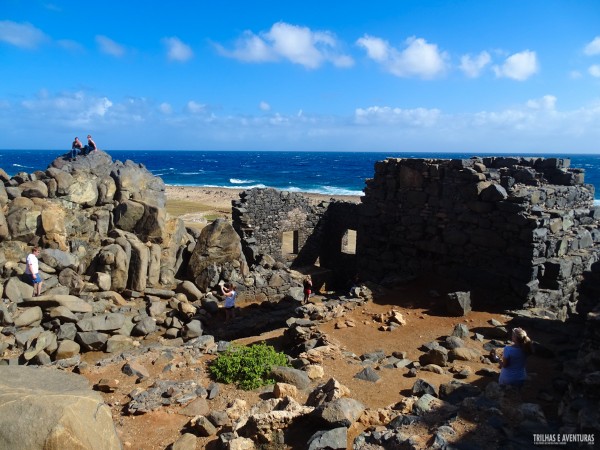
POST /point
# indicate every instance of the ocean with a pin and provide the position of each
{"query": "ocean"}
(330, 173)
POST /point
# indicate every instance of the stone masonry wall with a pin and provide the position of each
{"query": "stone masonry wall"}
(523, 228)
(261, 216)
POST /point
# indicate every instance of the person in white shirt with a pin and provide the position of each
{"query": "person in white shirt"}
(228, 290)
(33, 271)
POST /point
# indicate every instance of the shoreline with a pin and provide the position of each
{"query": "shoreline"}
(220, 198)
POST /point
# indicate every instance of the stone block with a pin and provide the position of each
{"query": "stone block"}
(458, 303)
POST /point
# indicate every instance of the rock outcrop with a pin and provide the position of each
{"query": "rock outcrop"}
(52, 410)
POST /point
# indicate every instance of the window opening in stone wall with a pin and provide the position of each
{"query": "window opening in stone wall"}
(349, 242)
(289, 243)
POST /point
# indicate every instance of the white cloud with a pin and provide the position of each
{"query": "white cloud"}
(420, 117)
(70, 45)
(547, 102)
(593, 48)
(22, 35)
(264, 106)
(342, 61)
(177, 50)
(109, 47)
(299, 45)
(377, 49)
(594, 70)
(518, 66)
(418, 59)
(68, 109)
(165, 108)
(534, 125)
(195, 108)
(575, 74)
(472, 66)
(250, 48)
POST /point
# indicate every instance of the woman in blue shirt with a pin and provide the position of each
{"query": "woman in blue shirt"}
(514, 359)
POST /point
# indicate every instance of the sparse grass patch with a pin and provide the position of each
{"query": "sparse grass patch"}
(178, 207)
(248, 367)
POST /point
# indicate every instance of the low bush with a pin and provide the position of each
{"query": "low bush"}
(248, 367)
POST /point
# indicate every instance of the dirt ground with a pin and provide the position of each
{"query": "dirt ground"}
(156, 430)
(425, 323)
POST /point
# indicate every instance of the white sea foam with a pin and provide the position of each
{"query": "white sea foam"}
(249, 186)
(327, 190)
(24, 167)
(238, 181)
(596, 202)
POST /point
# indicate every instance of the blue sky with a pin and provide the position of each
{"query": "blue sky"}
(403, 75)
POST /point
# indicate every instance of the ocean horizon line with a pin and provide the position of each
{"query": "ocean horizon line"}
(403, 152)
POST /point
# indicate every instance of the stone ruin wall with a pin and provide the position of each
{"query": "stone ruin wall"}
(261, 216)
(525, 229)
(522, 230)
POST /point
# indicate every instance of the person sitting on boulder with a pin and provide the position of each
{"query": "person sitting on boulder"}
(76, 149)
(90, 147)
(514, 359)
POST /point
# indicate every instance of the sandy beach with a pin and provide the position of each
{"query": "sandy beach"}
(198, 205)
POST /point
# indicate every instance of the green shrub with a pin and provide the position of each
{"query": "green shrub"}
(248, 367)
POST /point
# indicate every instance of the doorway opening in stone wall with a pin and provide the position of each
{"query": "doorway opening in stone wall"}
(289, 245)
(349, 242)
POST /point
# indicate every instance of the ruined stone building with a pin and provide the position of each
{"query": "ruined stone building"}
(523, 230)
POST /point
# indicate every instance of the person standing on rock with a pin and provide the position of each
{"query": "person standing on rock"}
(33, 272)
(228, 290)
(514, 359)
(76, 149)
(90, 147)
(307, 284)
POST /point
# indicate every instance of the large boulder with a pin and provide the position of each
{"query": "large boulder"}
(23, 219)
(52, 410)
(113, 260)
(136, 184)
(83, 190)
(71, 302)
(127, 215)
(33, 189)
(342, 412)
(219, 246)
(54, 225)
(174, 238)
(4, 233)
(458, 303)
(106, 190)
(138, 264)
(3, 195)
(59, 259)
(16, 289)
(63, 180)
